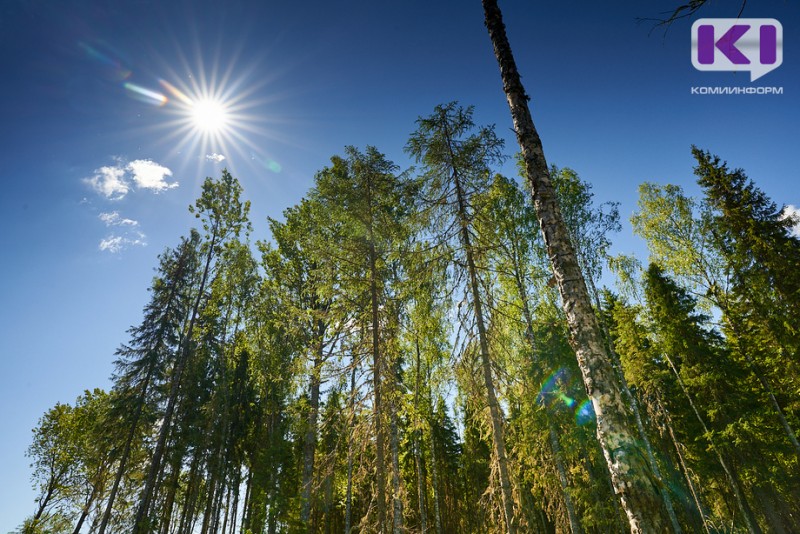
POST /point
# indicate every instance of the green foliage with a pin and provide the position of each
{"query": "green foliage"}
(257, 392)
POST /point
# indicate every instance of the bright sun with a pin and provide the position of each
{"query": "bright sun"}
(209, 116)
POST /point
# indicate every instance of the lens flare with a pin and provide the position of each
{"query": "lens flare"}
(585, 413)
(144, 94)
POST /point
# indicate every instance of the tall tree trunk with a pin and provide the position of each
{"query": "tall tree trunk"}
(686, 472)
(495, 413)
(397, 501)
(437, 512)
(348, 511)
(380, 461)
(574, 523)
(172, 486)
(310, 444)
(417, 445)
(741, 501)
(126, 451)
(140, 523)
(246, 508)
(756, 369)
(86, 508)
(236, 489)
(191, 492)
(631, 475)
(637, 416)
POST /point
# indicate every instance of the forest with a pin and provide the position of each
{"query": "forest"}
(445, 349)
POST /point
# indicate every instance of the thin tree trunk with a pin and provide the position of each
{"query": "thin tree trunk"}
(437, 513)
(173, 488)
(191, 493)
(741, 502)
(227, 510)
(496, 416)
(140, 524)
(123, 461)
(686, 473)
(246, 503)
(348, 512)
(310, 444)
(45, 501)
(236, 490)
(380, 468)
(85, 510)
(417, 445)
(630, 473)
(397, 519)
(574, 523)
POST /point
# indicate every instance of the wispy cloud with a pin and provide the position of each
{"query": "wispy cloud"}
(793, 212)
(215, 157)
(150, 175)
(117, 243)
(114, 219)
(109, 182)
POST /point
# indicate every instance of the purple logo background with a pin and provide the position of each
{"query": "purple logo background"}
(754, 45)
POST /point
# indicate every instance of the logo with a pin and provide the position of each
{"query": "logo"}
(754, 45)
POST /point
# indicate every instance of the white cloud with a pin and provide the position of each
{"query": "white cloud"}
(215, 157)
(114, 181)
(118, 243)
(150, 175)
(114, 219)
(793, 212)
(109, 182)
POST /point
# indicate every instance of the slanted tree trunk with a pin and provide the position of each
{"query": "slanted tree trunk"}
(172, 486)
(141, 521)
(741, 501)
(631, 475)
(574, 523)
(126, 451)
(310, 445)
(687, 474)
(88, 505)
(495, 413)
(634, 404)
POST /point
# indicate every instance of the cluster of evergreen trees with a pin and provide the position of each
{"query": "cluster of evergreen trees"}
(396, 356)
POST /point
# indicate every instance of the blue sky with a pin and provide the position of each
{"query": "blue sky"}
(97, 174)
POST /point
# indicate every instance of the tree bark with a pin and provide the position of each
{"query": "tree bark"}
(631, 475)
(495, 413)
